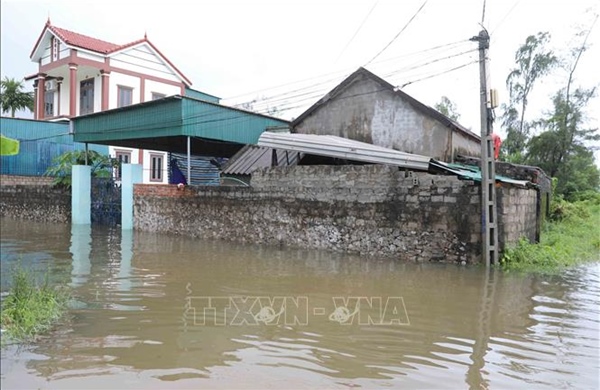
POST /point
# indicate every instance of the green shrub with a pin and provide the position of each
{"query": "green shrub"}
(561, 209)
(572, 237)
(31, 308)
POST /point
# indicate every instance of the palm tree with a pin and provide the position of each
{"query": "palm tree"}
(13, 98)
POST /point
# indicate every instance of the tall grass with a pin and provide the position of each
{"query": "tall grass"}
(30, 308)
(570, 238)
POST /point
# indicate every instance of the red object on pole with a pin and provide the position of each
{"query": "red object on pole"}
(497, 143)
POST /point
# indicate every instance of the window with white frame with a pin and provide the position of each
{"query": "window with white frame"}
(124, 96)
(156, 95)
(124, 157)
(156, 167)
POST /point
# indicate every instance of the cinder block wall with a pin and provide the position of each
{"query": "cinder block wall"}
(34, 198)
(518, 215)
(375, 210)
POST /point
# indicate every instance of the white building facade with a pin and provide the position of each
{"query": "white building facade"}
(79, 75)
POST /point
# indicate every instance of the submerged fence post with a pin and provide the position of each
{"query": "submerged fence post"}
(81, 195)
(131, 174)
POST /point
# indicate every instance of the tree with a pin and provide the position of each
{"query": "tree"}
(13, 98)
(561, 150)
(102, 166)
(532, 62)
(448, 108)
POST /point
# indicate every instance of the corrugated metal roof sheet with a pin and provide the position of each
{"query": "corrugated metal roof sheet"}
(164, 124)
(471, 172)
(337, 147)
(252, 157)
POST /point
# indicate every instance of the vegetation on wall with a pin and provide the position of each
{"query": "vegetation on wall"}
(101, 165)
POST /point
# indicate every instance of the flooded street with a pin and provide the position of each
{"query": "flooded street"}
(165, 312)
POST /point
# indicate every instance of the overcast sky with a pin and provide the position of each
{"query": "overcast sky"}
(237, 50)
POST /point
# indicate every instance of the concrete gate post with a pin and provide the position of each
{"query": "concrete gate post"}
(81, 195)
(130, 174)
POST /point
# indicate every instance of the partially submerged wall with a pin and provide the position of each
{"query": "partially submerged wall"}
(518, 210)
(375, 210)
(34, 198)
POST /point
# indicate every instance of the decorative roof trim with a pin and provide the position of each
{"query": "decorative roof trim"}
(111, 48)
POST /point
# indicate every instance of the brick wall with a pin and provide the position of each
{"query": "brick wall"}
(517, 210)
(375, 210)
(34, 198)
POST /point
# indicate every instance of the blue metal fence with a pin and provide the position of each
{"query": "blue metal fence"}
(40, 142)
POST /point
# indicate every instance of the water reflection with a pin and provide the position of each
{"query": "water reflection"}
(81, 248)
(136, 325)
(124, 275)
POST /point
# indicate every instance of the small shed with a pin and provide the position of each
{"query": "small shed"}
(366, 108)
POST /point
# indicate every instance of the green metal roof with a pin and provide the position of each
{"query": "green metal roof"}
(471, 172)
(165, 124)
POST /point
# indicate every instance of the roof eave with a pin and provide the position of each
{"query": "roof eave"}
(37, 43)
(185, 80)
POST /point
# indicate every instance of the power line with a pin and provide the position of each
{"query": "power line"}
(400, 32)
(341, 72)
(357, 30)
(431, 62)
(483, 13)
(506, 16)
(321, 86)
(439, 74)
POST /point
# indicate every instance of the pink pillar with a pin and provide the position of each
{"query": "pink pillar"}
(59, 81)
(105, 88)
(72, 90)
(41, 92)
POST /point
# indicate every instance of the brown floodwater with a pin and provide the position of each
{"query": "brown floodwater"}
(157, 311)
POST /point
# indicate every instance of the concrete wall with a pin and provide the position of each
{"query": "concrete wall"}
(374, 210)
(518, 209)
(34, 198)
(367, 112)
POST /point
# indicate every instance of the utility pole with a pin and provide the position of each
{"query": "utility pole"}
(489, 231)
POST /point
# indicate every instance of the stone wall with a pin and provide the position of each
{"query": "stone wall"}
(11, 180)
(34, 198)
(375, 210)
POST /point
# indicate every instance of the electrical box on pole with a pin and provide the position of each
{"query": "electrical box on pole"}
(488, 100)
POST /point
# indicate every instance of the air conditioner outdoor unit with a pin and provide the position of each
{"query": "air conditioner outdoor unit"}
(50, 85)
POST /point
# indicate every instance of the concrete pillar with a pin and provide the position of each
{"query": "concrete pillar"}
(130, 175)
(81, 195)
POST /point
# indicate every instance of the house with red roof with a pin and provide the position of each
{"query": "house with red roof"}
(79, 75)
